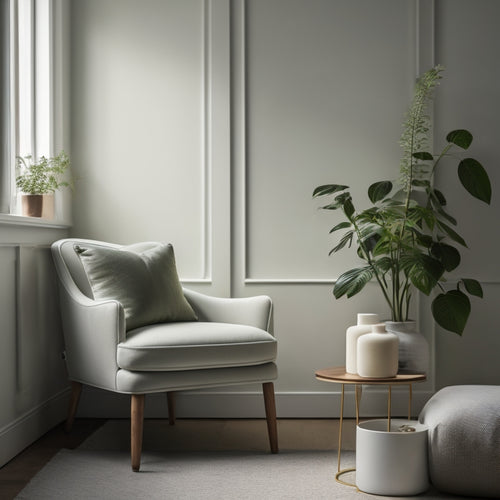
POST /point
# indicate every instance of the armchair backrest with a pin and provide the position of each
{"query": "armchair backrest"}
(68, 264)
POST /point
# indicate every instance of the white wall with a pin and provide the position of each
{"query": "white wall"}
(209, 123)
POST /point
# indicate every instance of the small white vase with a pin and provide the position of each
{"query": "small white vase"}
(378, 353)
(413, 346)
(365, 322)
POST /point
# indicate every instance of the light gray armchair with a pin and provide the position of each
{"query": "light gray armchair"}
(130, 328)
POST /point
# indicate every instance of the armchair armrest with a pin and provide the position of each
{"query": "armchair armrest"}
(92, 331)
(253, 311)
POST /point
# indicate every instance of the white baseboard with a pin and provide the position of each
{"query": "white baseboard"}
(33, 424)
(197, 404)
(96, 403)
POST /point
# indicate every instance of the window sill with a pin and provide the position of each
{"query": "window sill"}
(23, 221)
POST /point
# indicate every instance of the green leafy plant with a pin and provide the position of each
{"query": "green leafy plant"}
(43, 176)
(407, 239)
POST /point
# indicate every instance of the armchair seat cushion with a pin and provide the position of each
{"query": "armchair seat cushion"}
(195, 345)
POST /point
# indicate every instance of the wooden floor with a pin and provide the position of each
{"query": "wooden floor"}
(16, 474)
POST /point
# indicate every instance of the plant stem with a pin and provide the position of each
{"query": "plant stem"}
(431, 175)
(381, 280)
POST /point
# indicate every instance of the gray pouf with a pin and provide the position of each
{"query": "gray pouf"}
(464, 440)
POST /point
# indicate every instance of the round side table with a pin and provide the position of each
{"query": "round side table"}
(338, 375)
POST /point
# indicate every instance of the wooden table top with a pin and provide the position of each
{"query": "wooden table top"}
(338, 374)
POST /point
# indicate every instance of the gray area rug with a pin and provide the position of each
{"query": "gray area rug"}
(100, 469)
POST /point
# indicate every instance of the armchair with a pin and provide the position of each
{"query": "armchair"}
(112, 343)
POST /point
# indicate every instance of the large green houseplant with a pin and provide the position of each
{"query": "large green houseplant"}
(406, 238)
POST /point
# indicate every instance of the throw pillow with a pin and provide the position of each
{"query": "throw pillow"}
(142, 277)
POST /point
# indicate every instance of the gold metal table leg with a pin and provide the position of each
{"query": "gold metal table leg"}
(341, 425)
(389, 409)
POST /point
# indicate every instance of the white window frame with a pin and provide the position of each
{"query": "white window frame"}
(31, 82)
(49, 131)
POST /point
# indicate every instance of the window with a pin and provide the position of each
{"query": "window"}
(26, 66)
(34, 84)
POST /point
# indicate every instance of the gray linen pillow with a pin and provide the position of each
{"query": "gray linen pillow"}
(142, 277)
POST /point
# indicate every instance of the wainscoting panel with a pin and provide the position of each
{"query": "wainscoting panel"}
(318, 81)
(33, 380)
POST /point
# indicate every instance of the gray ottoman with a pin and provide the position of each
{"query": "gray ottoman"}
(464, 440)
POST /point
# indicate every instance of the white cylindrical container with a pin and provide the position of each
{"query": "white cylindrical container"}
(378, 353)
(365, 322)
(392, 463)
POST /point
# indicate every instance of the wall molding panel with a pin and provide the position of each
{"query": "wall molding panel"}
(423, 54)
(426, 35)
(218, 147)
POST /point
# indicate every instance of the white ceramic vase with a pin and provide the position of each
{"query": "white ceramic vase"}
(378, 353)
(413, 346)
(364, 325)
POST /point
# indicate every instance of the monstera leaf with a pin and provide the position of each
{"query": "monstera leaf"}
(451, 310)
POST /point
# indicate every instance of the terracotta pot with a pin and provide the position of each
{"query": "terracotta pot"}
(32, 205)
(38, 205)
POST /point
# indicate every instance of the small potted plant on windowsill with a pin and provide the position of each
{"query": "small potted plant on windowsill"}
(406, 239)
(38, 180)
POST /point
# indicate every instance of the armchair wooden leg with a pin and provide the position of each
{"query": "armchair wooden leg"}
(171, 407)
(270, 405)
(76, 390)
(136, 426)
